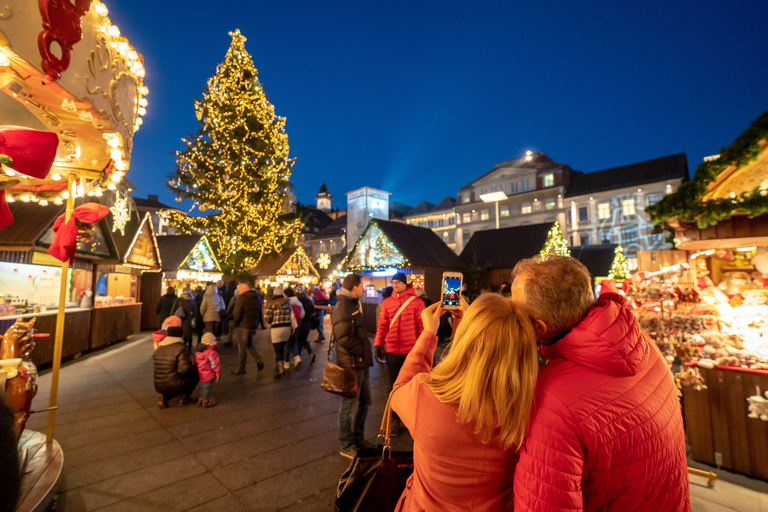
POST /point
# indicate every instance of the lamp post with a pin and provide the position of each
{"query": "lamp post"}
(494, 197)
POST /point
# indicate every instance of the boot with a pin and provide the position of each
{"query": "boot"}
(210, 402)
(279, 371)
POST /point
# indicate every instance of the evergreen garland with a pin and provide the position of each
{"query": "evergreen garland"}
(686, 205)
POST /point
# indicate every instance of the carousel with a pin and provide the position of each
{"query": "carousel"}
(72, 96)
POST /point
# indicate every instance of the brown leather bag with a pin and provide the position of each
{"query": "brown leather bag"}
(337, 380)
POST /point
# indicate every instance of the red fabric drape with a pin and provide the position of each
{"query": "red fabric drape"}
(65, 241)
(32, 152)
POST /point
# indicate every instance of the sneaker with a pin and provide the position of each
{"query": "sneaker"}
(286, 365)
(279, 370)
(200, 402)
(260, 365)
(349, 452)
(312, 359)
(210, 402)
(296, 361)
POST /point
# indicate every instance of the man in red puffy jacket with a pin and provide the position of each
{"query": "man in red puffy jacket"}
(398, 329)
(606, 431)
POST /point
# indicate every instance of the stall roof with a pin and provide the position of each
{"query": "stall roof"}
(30, 222)
(271, 264)
(336, 260)
(503, 248)
(597, 258)
(174, 249)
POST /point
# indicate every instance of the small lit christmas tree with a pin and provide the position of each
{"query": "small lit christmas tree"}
(620, 266)
(237, 166)
(555, 243)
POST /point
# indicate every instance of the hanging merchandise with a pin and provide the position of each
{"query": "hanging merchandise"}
(758, 406)
(101, 284)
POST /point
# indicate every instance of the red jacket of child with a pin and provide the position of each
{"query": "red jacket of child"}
(402, 336)
(208, 364)
(606, 431)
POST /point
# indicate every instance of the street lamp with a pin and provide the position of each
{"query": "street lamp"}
(494, 197)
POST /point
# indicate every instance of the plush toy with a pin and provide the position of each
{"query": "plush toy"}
(734, 283)
(758, 406)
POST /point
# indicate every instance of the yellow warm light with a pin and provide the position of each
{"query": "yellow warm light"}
(114, 31)
(10, 199)
(101, 9)
(493, 196)
(111, 186)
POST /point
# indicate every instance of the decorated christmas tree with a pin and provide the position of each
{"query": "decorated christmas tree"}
(555, 243)
(237, 167)
(620, 266)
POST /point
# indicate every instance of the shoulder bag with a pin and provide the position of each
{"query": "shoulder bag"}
(337, 380)
(377, 476)
(400, 311)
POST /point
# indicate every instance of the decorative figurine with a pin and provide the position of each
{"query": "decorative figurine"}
(18, 374)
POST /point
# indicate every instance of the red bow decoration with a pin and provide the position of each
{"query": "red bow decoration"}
(65, 241)
(32, 152)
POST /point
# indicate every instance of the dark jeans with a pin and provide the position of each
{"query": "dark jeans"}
(353, 411)
(246, 346)
(205, 389)
(302, 341)
(190, 381)
(279, 348)
(320, 327)
(394, 364)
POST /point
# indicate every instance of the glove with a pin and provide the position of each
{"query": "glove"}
(380, 357)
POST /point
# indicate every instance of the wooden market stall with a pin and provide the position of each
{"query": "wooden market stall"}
(387, 247)
(289, 267)
(720, 222)
(187, 260)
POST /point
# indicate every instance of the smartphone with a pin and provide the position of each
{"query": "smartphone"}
(452, 289)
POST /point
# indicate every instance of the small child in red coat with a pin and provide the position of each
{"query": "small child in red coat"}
(209, 368)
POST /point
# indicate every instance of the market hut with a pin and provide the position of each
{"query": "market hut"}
(387, 247)
(720, 219)
(290, 266)
(187, 260)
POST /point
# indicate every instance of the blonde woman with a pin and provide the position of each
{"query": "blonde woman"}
(468, 415)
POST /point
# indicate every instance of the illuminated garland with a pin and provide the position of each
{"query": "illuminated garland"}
(555, 243)
(238, 166)
(380, 251)
(620, 266)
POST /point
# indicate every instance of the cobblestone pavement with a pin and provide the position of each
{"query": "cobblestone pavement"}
(267, 445)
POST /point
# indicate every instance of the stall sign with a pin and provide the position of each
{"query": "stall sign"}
(200, 276)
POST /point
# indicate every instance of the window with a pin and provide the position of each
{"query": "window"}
(628, 207)
(604, 211)
(584, 238)
(548, 179)
(466, 197)
(467, 235)
(524, 185)
(513, 187)
(526, 208)
(605, 238)
(484, 215)
(629, 235)
(550, 204)
(568, 218)
(504, 211)
(583, 214)
(451, 220)
(465, 217)
(504, 187)
(652, 199)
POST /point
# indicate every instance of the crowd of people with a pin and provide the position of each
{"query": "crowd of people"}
(542, 397)
(238, 311)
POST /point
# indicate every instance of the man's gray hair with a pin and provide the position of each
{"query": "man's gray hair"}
(558, 290)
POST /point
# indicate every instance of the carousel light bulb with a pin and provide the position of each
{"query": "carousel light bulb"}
(4, 60)
(99, 192)
(140, 72)
(139, 121)
(116, 155)
(57, 200)
(111, 186)
(142, 111)
(115, 178)
(56, 176)
(25, 198)
(132, 55)
(10, 199)
(91, 193)
(143, 102)
(101, 9)
(120, 165)
(114, 31)
(65, 194)
(143, 90)
(34, 199)
(43, 202)
(80, 190)
(123, 47)
(113, 142)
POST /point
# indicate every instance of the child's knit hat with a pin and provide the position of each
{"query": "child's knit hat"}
(208, 339)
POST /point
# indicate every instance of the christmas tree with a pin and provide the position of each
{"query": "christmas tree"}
(237, 166)
(620, 266)
(555, 243)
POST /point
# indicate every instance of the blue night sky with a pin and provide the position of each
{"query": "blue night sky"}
(419, 98)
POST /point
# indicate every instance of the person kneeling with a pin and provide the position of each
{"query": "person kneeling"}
(175, 374)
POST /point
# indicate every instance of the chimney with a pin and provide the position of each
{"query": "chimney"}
(153, 197)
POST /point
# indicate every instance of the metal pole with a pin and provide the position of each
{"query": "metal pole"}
(497, 215)
(60, 317)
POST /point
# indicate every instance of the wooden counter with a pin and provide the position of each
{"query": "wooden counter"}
(716, 422)
(114, 323)
(77, 324)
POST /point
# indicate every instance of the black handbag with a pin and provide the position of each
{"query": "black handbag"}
(337, 380)
(376, 477)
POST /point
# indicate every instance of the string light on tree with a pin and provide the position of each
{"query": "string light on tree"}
(620, 266)
(236, 166)
(555, 243)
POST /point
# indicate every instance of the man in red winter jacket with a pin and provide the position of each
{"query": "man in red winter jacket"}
(399, 328)
(606, 431)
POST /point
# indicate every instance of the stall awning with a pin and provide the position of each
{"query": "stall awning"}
(187, 254)
(288, 264)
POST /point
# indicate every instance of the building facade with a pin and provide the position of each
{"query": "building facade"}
(440, 218)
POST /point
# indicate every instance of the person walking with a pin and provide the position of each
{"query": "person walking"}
(606, 431)
(175, 374)
(208, 368)
(468, 415)
(278, 315)
(398, 329)
(353, 350)
(230, 313)
(211, 308)
(319, 298)
(310, 315)
(199, 324)
(292, 345)
(189, 310)
(245, 322)
(164, 307)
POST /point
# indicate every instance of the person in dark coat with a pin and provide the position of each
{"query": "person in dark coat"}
(10, 483)
(245, 321)
(175, 373)
(164, 307)
(187, 304)
(199, 324)
(306, 324)
(353, 349)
